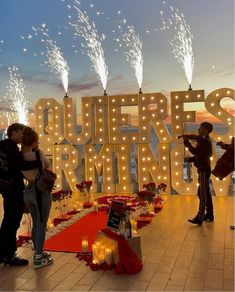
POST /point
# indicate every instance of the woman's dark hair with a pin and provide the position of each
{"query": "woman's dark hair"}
(14, 127)
(29, 136)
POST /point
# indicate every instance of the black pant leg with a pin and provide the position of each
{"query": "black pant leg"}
(13, 207)
(209, 202)
(202, 194)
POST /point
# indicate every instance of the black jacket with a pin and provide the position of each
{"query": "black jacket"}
(202, 153)
(16, 162)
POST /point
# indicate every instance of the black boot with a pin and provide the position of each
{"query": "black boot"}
(208, 218)
(195, 220)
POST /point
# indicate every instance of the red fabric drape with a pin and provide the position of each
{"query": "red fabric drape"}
(129, 262)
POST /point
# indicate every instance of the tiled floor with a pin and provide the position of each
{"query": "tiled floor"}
(177, 256)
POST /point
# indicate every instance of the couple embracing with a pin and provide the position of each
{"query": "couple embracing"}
(15, 165)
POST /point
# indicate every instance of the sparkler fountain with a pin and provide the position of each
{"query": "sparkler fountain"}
(132, 43)
(92, 45)
(57, 63)
(133, 54)
(55, 59)
(18, 95)
(182, 45)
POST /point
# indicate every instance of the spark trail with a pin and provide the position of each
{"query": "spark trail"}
(130, 40)
(18, 96)
(134, 53)
(92, 45)
(54, 56)
(181, 42)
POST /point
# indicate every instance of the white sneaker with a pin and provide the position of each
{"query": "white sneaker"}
(43, 261)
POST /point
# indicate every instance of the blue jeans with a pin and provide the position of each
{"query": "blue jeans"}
(39, 226)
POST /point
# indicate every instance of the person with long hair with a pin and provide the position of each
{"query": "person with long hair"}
(37, 203)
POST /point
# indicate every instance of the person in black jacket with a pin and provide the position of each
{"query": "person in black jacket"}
(225, 164)
(13, 202)
(201, 159)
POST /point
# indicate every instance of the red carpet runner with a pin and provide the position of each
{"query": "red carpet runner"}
(69, 239)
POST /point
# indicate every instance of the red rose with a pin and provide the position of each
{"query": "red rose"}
(151, 184)
(80, 187)
(162, 187)
(88, 184)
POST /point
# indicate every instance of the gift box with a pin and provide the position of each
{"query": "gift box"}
(135, 244)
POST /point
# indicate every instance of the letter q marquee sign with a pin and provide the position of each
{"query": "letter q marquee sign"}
(101, 149)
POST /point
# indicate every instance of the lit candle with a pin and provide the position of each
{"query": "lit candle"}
(95, 206)
(101, 255)
(108, 256)
(94, 253)
(134, 227)
(84, 244)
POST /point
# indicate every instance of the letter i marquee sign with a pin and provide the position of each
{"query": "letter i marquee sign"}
(103, 148)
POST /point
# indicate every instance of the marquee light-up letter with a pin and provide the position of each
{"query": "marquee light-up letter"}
(117, 119)
(65, 162)
(70, 121)
(213, 106)
(123, 163)
(158, 167)
(100, 133)
(100, 164)
(153, 111)
(48, 125)
(179, 118)
(178, 115)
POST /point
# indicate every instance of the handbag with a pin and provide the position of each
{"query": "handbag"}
(45, 180)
